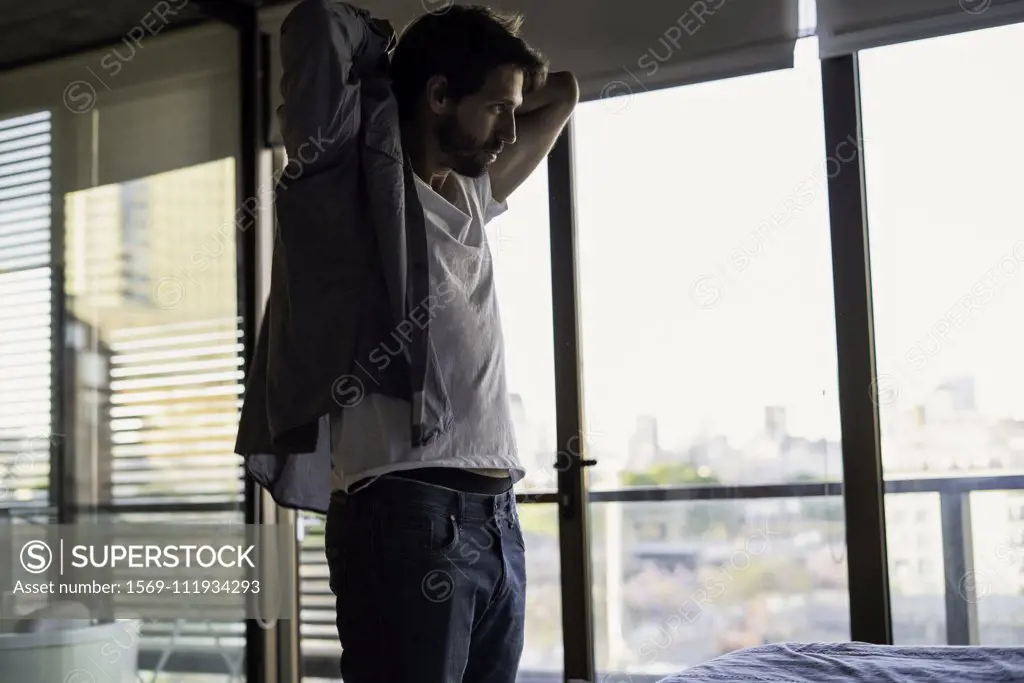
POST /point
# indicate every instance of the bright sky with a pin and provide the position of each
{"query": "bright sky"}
(672, 186)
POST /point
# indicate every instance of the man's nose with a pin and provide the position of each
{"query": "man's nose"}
(507, 134)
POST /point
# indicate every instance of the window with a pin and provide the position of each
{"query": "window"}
(153, 363)
(155, 358)
(520, 247)
(708, 343)
(947, 259)
(26, 395)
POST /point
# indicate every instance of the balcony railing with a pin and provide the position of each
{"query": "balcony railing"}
(958, 555)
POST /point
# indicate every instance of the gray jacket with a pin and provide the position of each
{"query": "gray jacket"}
(349, 267)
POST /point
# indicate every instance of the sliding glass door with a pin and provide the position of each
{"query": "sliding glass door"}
(710, 370)
(947, 253)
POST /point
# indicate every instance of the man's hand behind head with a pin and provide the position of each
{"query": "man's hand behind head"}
(384, 29)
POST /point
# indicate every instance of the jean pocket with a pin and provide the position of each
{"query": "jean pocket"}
(414, 533)
(445, 534)
(517, 533)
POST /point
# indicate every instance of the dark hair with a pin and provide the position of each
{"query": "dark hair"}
(463, 44)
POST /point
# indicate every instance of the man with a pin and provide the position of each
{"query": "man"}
(420, 145)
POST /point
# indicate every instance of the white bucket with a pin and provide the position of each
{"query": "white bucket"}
(102, 653)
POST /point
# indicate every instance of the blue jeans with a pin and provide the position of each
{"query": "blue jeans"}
(430, 584)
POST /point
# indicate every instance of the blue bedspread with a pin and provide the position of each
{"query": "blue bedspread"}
(859, 663)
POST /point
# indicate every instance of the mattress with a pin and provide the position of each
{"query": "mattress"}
(859, 663)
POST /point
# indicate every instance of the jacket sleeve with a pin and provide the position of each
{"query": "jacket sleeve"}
(323, 42)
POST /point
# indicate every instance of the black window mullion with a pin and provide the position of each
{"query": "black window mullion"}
(574, 532)
(62, 456)
(863, 487)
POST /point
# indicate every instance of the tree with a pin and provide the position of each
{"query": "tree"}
(668, 474)
(705, 518)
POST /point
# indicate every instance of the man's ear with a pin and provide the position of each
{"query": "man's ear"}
(437, 94)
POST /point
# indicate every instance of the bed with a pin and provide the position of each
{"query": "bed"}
(859, 663)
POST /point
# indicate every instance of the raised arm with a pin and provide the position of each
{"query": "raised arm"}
(539, 121)
(325, 45)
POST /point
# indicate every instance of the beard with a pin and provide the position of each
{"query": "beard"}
(463, 153)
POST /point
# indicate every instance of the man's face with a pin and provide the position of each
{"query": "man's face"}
(472, 134)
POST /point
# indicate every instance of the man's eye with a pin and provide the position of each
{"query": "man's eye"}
(498, 109)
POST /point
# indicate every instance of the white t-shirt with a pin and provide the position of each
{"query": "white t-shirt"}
(373, 437)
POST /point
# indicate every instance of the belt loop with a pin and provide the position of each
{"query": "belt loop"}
(460, 507)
